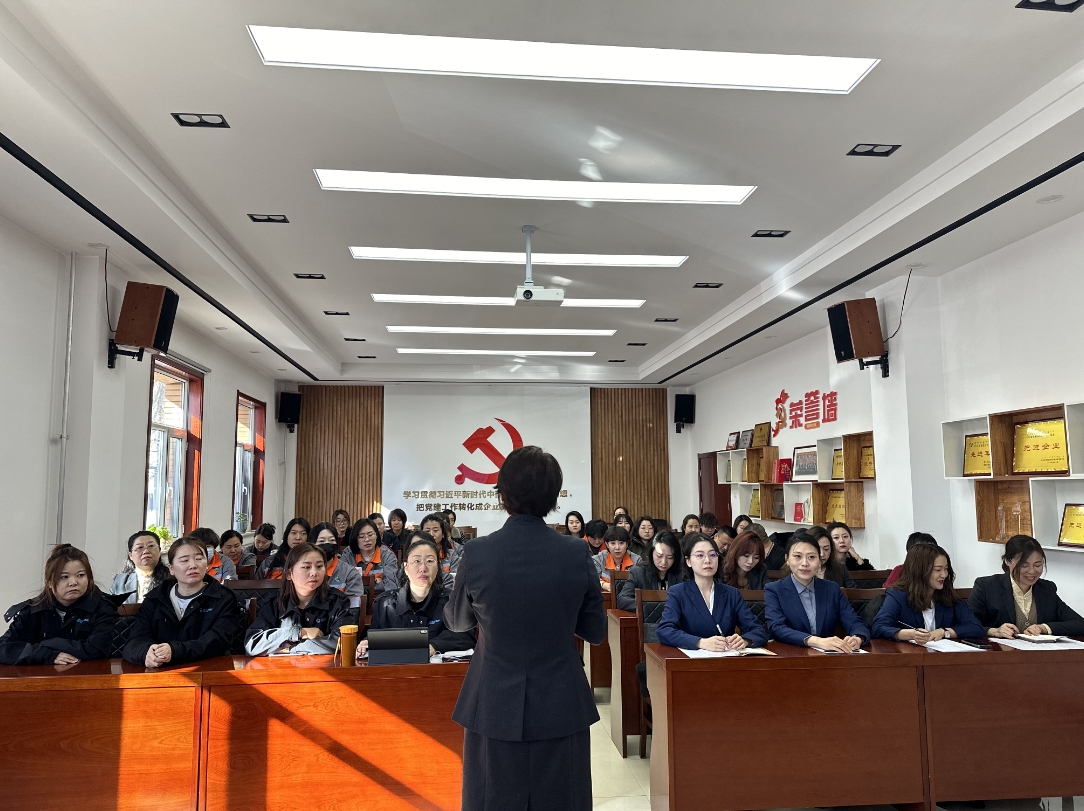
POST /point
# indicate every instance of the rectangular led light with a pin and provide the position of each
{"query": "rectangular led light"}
(501, 301)
(528, 189)
(528, 353)
(428, 330)
(556, 61)
(513, 258)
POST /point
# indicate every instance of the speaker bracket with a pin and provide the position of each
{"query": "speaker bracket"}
(881, 361)
(115, 350)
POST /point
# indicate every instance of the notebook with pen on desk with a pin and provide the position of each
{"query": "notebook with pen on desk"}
(710, 654)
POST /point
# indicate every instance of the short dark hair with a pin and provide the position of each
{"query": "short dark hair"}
(726, 530)
(207, 535)
(227, 535)
(709, 520)
(616, 534)
(341, 512)
(354, 531)
(668, 539)
(920, 537)
(595, 529)
(529, 482)
(374, 516)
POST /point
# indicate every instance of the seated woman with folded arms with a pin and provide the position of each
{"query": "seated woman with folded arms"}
(231, 545)
(219, 566)
(832, 568)
(144, 569)
(367, 556)
(307, 614)
(296, 532)
(264, 541)
(742, 566)
(615, 556)
(803, 610)
(704, 613)
(660, 569)
(1019, 601)
(843, 551)
(189, 617)
(420, 601)
(922, 607)
(71, 621)
(396, 531)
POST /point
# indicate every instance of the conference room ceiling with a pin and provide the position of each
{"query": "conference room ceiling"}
(981, 95)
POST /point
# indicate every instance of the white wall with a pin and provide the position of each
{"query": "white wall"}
(107, 429)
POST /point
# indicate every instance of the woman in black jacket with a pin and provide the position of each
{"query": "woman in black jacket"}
(743, 567)
(189, 617)
(420, 601)
(843, 551)
(396, 531)
(660, 569)
(296, 532)
(1019, 601)
(308, 613)
(71, 621)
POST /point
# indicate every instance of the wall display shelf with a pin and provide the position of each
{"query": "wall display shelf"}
(1008, 503)
(798, 493)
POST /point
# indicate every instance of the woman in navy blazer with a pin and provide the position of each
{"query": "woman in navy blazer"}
(688, 622)
(922, 607)
(788, 620)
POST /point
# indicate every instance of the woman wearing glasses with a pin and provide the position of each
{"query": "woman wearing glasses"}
(703, 612)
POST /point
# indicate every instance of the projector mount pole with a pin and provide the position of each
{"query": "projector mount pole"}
(528, 230)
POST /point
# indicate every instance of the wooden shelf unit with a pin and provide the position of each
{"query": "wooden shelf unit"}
(854, 497)
(852, 456)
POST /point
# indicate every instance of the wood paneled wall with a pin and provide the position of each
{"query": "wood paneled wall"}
(340, 451)
(630, 459)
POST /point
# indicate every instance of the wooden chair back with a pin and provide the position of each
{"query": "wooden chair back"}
(245, 572)
(649, 603)
(871, 579)
(261, 557)
(776, 574)
(128, 609)
(865, 602)
(754, 599)
(369, 599)
(963, 594)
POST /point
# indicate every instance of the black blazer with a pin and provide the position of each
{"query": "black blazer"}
(37, 634)
(776, 558)
(530, 591)
(208, 627)
(992, 603)
(640, 577)
(394, 610)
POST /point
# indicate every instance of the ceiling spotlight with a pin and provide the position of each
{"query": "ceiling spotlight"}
(1051, 198)
(336, 312)
(665, 320)
(309, 276)
(276, 219)
(636, 343)
(873, 150)
(589, 169)
(201, 120)
(707, 285)
(770, 234)
(221, 328)
(604, 140)
(1051, 5)
(254, 351)
(560, 281)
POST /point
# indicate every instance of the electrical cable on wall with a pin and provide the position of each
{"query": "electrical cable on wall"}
(902, 305)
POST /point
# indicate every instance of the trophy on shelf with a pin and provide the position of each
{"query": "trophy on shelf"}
(1001, 536)
(1017, 510)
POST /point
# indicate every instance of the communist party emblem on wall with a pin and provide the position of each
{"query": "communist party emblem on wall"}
(480, 441)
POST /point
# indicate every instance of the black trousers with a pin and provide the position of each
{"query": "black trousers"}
(550, 775)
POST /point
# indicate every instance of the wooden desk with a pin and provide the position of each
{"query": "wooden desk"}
(624, 637)
(98, 736)
(718, 723)
(986, 710)
(231, 732)
(598, 657)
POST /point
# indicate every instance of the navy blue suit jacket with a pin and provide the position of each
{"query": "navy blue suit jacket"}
(685, 618)
(896, 611)
(787, 620)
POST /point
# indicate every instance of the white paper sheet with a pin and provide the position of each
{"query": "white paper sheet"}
(1020, 644)
(951, 646)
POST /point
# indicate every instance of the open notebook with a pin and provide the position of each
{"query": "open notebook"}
(709, 654)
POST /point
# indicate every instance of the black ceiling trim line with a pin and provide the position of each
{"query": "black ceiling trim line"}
(42, 171)
(936, 235)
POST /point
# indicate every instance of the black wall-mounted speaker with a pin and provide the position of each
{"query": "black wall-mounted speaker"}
(289, 407)
(685, 409)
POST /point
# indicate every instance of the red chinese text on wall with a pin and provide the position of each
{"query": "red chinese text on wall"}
(807, 412)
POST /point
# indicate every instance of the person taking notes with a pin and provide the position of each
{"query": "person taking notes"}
(922, 607)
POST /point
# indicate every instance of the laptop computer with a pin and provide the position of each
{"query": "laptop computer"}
(398, 646)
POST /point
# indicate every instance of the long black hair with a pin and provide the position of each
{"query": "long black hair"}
(279, 560)
(583, 524)
(445, 532)
(287, 591)
(677, 569)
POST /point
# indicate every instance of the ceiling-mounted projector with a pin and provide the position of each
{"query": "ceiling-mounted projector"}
(531, 293)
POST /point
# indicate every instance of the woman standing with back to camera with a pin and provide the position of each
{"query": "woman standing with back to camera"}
(526, 706)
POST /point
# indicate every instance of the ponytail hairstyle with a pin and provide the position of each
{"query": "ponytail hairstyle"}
(287, 592)
(60, 557)
(445, 532)
(915, 578)
(279, 560)
(1019, 548)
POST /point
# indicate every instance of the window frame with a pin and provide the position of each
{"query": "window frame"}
(259, 448)
(193, 437)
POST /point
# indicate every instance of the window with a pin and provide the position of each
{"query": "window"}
(173, 447)
(248, 463)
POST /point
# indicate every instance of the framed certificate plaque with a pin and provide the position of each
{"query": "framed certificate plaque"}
(1072, 526)
(977, 455)
(1040, 447)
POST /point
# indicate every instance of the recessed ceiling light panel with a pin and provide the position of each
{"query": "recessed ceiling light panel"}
(336, 312)
(269, 219)
(366, 357)
(530, 353)
(357, 340)
(556, 61)
(665, 320)
(636, 343)
(499, 301)
(1051, 198)
(201, 120)
(1051, 5)
(873, 150)
(513, 258)
(528, 189)
(707, 285)
(430, 330)
(309, 276)
(768, 233)
(631, 303)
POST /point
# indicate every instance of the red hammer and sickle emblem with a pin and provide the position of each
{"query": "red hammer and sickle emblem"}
(479, 441)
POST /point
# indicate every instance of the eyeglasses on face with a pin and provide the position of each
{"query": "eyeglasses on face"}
(702, 556)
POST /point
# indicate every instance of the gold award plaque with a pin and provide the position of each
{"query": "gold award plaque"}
(837, 464)
(977, 455)
(1040, 447)
(837, 507)
(761, 433)
(754, 504)
(867, 469)
(1072, 526)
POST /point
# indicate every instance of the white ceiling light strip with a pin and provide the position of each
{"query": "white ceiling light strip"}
(527, 189)
(556, 61)
(513, 258)
(519, 353)
(429, 330)
(501, 301)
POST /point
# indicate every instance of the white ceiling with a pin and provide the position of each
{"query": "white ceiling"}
(983, 97)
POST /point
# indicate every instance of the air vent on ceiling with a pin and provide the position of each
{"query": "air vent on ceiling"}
(269, 219)
(336, 312)
(309, 276)
(1051, 5)
(616, 361)
(354, 339)
(201, 120)
(665, 320)
(874, 150)
(636, 343)
(770, 234)
(707, 285)
(366, 357)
